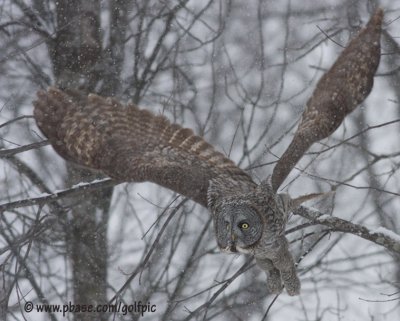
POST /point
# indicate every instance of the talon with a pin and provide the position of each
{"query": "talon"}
(293, 287)
(274, 285)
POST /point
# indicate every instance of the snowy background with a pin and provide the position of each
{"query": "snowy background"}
(239, 73)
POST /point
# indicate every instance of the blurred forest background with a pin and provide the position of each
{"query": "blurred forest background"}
(239, 73)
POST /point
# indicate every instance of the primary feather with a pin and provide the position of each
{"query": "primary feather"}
(131, 144)
(346, 84)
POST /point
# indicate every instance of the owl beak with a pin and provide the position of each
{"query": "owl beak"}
(232, 245)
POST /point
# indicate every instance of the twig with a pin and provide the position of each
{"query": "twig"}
(75, 190)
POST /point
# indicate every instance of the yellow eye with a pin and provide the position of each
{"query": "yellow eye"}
(244, 225)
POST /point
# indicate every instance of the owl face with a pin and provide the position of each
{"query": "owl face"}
(238, 227)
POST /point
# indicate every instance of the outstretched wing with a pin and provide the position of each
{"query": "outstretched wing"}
(338, 93)
(130, 144)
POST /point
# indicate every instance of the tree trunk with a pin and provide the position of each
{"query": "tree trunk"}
(76, 57)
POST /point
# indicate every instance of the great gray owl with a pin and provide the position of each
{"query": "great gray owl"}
(130, 144)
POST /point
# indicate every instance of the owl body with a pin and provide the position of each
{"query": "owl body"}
(251, 220)
(132, 144)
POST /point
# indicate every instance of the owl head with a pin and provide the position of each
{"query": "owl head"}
(245, 216)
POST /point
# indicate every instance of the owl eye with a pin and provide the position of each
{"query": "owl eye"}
(243, 225)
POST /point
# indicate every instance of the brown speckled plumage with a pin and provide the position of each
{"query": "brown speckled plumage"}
(338, 93)
(130, 144)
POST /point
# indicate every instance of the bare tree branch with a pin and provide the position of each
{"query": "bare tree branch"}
(340, 225)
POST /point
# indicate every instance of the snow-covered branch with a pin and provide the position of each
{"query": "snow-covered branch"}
(380, 236)
(47, 197)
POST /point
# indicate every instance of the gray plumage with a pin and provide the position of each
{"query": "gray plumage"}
(130, 144)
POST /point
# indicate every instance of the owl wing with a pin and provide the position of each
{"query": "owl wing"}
(130, 144)
(338, 93)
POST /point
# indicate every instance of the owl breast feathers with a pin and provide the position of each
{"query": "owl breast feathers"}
(130, 144)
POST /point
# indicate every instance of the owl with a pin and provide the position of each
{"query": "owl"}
(133, 145)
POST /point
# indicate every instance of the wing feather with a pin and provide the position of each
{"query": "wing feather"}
(130, 144)
(348, 82)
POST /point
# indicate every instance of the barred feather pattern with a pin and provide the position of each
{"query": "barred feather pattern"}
(348, 82)
(130, 144)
